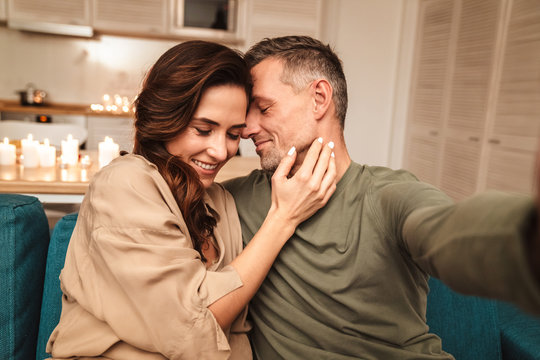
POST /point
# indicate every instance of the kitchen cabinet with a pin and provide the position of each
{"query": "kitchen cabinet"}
(66, 17)
(246, 21)
(474, 115)
(143, 17)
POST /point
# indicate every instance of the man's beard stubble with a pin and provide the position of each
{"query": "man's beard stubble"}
(271, 159)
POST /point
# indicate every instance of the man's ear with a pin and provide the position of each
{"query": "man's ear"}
(322, 97)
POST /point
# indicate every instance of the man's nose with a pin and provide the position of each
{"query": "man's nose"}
(252, 125)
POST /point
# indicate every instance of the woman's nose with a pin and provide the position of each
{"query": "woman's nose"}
(218, 148)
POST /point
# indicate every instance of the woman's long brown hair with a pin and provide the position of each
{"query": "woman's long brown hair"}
(169, 97)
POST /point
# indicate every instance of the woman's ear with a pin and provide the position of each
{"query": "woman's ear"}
(322, 97)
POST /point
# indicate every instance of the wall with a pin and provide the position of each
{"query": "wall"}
(74, 70)
(366, 35)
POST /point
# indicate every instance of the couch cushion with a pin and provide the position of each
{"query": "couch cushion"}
(467, 325)
(520, 333)
(52, 295)
(24, 237)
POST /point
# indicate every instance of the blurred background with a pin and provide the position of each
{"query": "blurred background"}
(449, 89)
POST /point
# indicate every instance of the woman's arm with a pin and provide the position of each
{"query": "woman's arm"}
(294, 200)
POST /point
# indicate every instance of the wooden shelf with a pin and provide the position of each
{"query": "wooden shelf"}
(55, 109)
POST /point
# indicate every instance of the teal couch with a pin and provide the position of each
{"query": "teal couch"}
(30, 303)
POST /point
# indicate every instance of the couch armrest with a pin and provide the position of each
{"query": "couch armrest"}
(24, 237)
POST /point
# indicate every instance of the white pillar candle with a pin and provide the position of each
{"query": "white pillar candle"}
(30, 152)
(85, 162)
(107, 151)
(7, 153)
(70, 150)
(47, 154)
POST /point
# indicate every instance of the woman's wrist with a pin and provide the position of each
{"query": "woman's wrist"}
(281, 222)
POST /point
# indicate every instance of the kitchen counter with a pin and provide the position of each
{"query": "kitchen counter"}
(68, 185)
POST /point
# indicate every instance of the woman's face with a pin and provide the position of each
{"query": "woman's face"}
(213, 133)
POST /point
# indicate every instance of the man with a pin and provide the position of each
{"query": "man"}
(352, 281)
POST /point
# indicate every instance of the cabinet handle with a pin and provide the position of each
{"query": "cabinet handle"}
(494, 141)
(474, 138)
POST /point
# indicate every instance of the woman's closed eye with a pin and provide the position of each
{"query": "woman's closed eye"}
(203, 132)
(233, 136)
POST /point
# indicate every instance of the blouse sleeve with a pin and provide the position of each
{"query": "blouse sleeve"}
(143, 276)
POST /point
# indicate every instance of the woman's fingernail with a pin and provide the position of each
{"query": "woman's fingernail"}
(331, 144)
(333, 155)
(291, 151)
(320, 140)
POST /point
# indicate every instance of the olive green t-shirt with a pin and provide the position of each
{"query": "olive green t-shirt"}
(352, 281)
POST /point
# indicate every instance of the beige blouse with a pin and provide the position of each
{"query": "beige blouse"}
(134, 287)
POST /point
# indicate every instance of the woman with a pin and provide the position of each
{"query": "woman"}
(155, 267)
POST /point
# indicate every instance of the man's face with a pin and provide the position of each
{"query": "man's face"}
(278, 117)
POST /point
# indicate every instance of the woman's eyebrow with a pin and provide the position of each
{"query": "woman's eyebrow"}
(212, 122)
(206, 120)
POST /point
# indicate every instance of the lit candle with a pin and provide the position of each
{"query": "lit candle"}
(117, 100)
(47, 154)
(70, 151)
(85, 162)
(107, 151)
(30, 154)
(7, 153)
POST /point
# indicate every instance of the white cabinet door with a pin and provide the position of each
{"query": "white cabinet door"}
(479, 101)
(472, 78)
(66, 17)
(459, 166)
(513, 136)
(423, 153)
(143, 17)
(426, 120)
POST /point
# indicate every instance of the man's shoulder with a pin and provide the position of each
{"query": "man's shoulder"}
(383, 173)
(397, 187)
